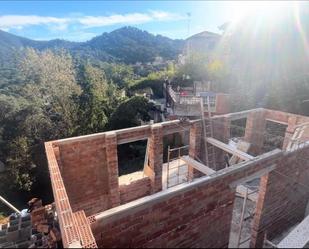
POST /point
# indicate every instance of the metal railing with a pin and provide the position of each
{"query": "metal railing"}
(178, 166)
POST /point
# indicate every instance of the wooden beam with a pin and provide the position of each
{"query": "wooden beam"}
(242, 155)
(199, 166)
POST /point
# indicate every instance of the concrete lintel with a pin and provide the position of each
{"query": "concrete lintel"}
(239, 115)
(123, 210)
(132, 139)
(79, 138)
(110, 134)
(277, 121)
(253, 176)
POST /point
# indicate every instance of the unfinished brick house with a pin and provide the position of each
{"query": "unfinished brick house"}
(97, 208)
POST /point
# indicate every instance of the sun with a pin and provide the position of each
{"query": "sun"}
(242, 9)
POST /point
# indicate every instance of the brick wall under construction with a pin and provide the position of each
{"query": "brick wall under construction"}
(84, 174)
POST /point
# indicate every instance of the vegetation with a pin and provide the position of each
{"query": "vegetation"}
(58, 97)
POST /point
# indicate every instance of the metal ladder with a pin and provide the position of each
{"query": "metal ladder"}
(208, 132)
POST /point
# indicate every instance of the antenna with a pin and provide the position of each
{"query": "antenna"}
(189, 42)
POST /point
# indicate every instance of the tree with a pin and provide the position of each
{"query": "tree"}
(130, 113)
(92, 100)
(195, 66)
(118, 74)
(39, 109)
(50, 83)
(20, 163)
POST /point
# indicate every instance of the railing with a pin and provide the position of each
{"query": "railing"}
(190, 104)
(175, 171)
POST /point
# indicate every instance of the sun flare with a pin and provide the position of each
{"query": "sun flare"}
(243, 9)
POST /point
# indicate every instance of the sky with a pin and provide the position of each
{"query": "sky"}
(83, 20)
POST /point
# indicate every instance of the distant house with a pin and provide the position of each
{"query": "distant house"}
(2, 167)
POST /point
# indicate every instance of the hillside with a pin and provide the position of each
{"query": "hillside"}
(127, 44)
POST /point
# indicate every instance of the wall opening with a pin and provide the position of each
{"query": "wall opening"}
(131, 157)
(243, 214)
(274, 136)
(175, 170)
(238, 128)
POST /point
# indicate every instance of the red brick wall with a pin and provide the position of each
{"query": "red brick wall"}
(155, 157)
(282, 200)
(179, 221)
(221, 128)
(223, 103)
(198, 215)
(195, 147)
(84, 171)
(135, 190)
(75, 229)
(255, 131)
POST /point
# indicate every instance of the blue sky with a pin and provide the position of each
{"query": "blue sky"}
(82, 20)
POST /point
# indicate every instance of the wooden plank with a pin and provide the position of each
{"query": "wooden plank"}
(229, 149)
(199, 166)
(243, 146)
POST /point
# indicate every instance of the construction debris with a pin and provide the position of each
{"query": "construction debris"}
(32, 228)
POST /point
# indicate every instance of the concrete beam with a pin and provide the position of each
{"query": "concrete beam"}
(255, 175)
(239, 115)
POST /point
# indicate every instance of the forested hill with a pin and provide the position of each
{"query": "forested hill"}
(127, 45)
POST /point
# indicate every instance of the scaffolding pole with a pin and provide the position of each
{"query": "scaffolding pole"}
(4, 201)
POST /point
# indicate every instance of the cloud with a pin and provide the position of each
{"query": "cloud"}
(132, 18)
(8, 22)
(19, 21)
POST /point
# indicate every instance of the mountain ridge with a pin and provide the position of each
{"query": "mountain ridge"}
(127, 44)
